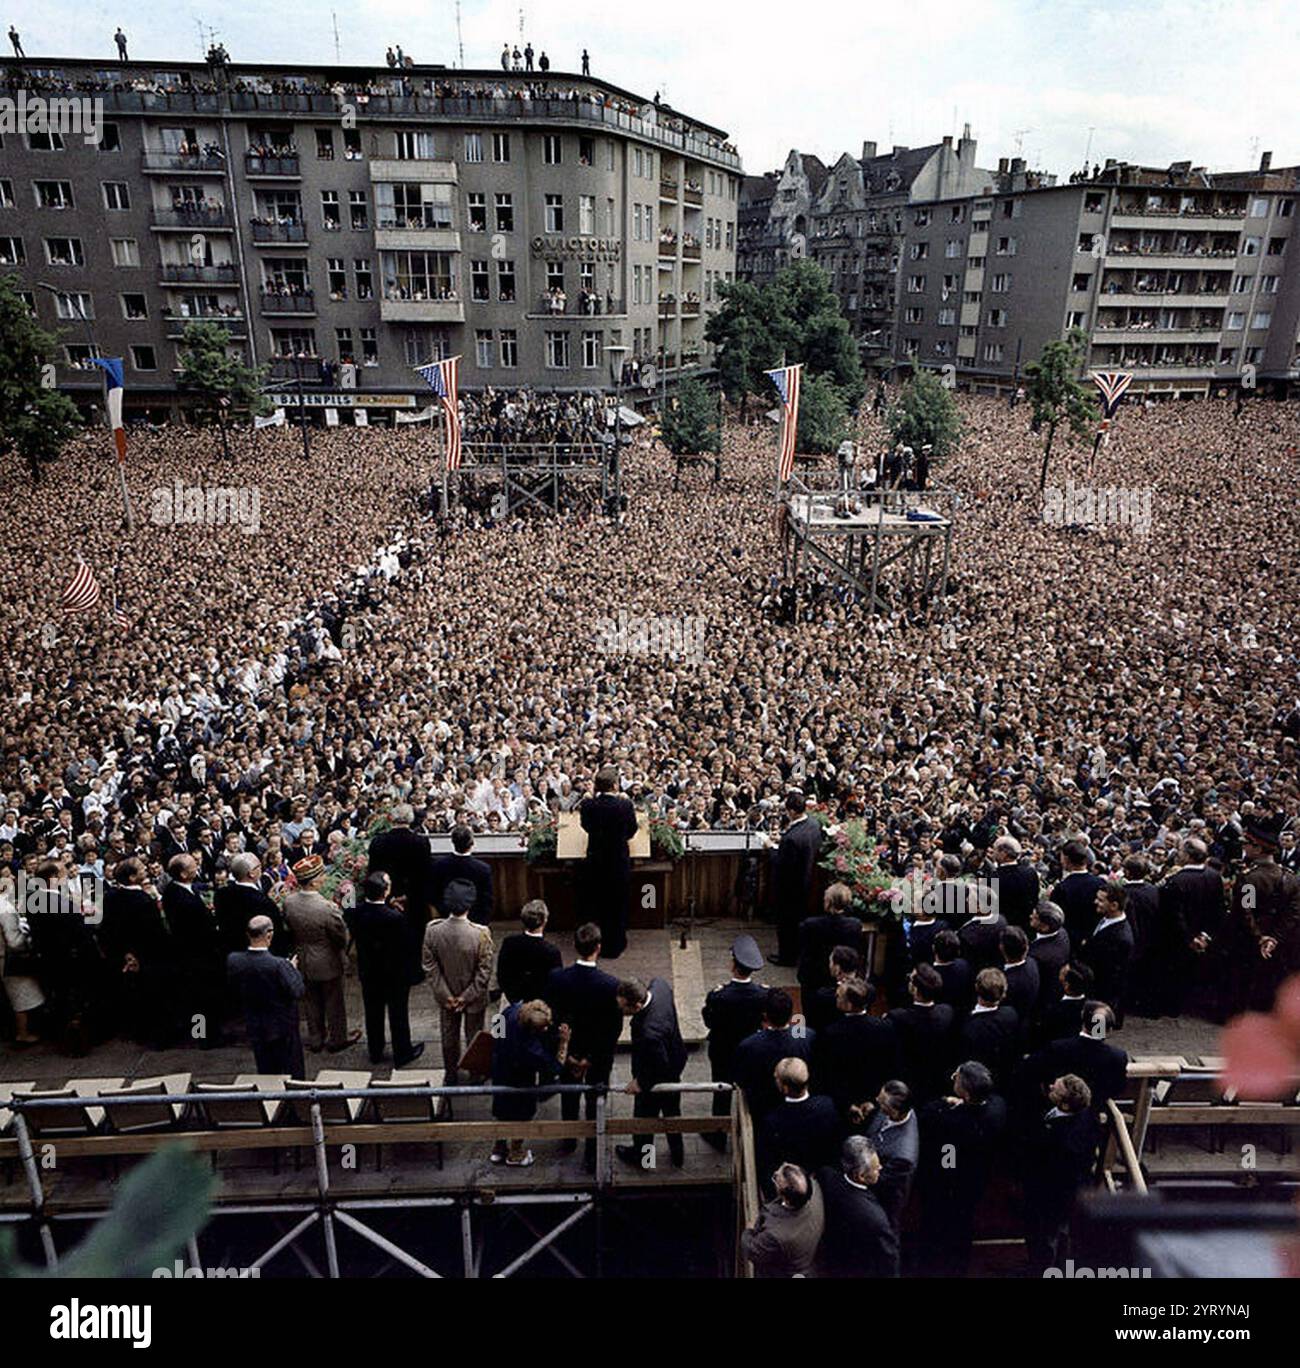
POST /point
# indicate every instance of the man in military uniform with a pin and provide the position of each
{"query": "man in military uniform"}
(1262, 934)
(733, 1011)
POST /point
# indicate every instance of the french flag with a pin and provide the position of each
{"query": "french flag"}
(113, 387)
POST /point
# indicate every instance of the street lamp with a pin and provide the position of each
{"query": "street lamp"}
(75, 303)
(616, 353)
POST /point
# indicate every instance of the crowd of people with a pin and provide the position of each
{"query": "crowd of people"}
(526, 417)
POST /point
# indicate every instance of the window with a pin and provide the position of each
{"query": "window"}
(110, 140)
(920, 251)
(74, 305)
(506, 281)
(45, 141)
(337, 275)
(325, 144)
(473, 147)
(914, 314)
(125, 251)
(352, 144)
(993, 351)
(81, 354)
(590, 350)
(1259, 208)
(6, 194)
(418, 275)
(416, 205)
(555, 213)
(609, 154)
(557, 351)
(636, 223)
(117, 195)
(144, 358)
(636, 284)
(1006, 246)
(1263, 318)
(587, 215)
(555, 275)
(947, 318)
(1250, 246)
(414, 145)
(1268, 284)
(364, 282)
(64, 251)
(957, 214)
(1236, 319)
(1276, 246)
(11, 251)
(586, 151)
(921, 218)
(1081, 282)
(479, 287)
(731, 236)
(505, 207)
(1075, 319)
(509, 348)
(1001, 283)
(501, 147)
(331, 214)
(997, 318)
(423, 345)
(1241, 284)
(483, 348)
(476, 203)
(343, 344)
(953, 248)
(369, 347)
(915, 284)
(359, 206)
(552, 149)
(134, 306)
(638, 162)
(53, 194)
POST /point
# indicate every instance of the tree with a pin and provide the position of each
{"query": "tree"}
(692, 426)
(824, 418)
(221, 382)
(36, 421)
(1056, 393)
(925, 414)
(743, 340)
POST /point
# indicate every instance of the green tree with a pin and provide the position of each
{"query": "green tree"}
(36, 422)
(803, 315)
(220, 382)
(743, 340)
(824, 419)
(925, 414)
(693, 425)
(1056, 393)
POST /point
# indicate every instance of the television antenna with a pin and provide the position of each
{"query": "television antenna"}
(1019, 135)
(460, 41)
(338, 56)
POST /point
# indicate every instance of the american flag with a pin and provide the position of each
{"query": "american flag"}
(119, 614)
(441, 377)
(786, 379)
(81, 593)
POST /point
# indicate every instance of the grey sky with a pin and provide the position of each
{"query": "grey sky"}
(1156, 81)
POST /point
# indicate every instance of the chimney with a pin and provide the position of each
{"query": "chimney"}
(899, 147)
(1266, 161)
(868, 151)
(1003, 165)
(947, 141)
(1017, 165)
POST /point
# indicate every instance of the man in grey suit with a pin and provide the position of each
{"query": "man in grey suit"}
(320, 938)
(891, 1126)
(268, 989)
(783, 1241)
(458, 961)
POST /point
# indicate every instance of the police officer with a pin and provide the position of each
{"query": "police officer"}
(733, 1011)
(1262, 935)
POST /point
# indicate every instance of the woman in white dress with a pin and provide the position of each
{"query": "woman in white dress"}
(22, 990)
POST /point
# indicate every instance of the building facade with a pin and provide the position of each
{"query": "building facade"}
(347, 225)
(774, 218)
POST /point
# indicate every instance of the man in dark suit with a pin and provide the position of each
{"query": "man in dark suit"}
(991, 1034)
(803, 1128)
(1060, 1154)
(1015, 881)
(404, 856)
(792, 867)
(269, 989)
(758, 1055)
(242, 899)
(968, 1125)
(138, 956)
(526, 959)
(382, 937)
(820, 1009)
(1076, 891)
(818, 936)
(981, 936)
(1049, 948)
(200, 960)
(1193, 907)
(954, 973)
(890, 1124)
(857, 1052)
(924, 1031)
(658, 1056)
(859, 1241)
(732, 1011)
(1088, 1053)
(585, 998)
(462, 863)
(1065, 1015)
(1021, 974)
(1108, 949)
(609, 819)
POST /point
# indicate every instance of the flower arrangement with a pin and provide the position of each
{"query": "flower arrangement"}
(666, 841)
(541, 839)
(852, 858)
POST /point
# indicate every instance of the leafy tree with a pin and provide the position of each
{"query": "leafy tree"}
(925, 414)
(824, 419)
(693, 426)
(745, 346)
(1056, 393)
(35, 422)
(220, 382)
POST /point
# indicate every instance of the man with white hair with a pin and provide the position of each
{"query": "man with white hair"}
(1016, 882)
(241, 900)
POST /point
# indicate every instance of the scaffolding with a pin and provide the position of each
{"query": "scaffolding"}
(538, 474)
(329, 1209)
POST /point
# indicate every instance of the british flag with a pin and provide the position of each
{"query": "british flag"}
(81, 593)
(441, 377)
(786, 379)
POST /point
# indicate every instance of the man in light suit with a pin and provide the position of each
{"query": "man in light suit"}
(458, 960)
(269, 989)
(320, 938)
(783, 1241)
(792, 867)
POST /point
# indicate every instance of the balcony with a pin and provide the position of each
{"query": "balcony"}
(595, 306)
(178, 273)
(195, 220)
(301, 302)
(283, 166)
(279, 234)
(175, 322)
(397, 310)
(1119, 255)
(690, 251)
(668, 190)
(668, 246)
(1103, 336)
(693, 194)
(667, 308)
(690, 308)
(169, 163)
(308, 369)
(392, 237)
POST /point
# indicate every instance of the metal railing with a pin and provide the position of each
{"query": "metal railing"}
(182, 163)
(296, 302)
(182, 273)
(279, 232)
(281, 164)
(192, 218)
